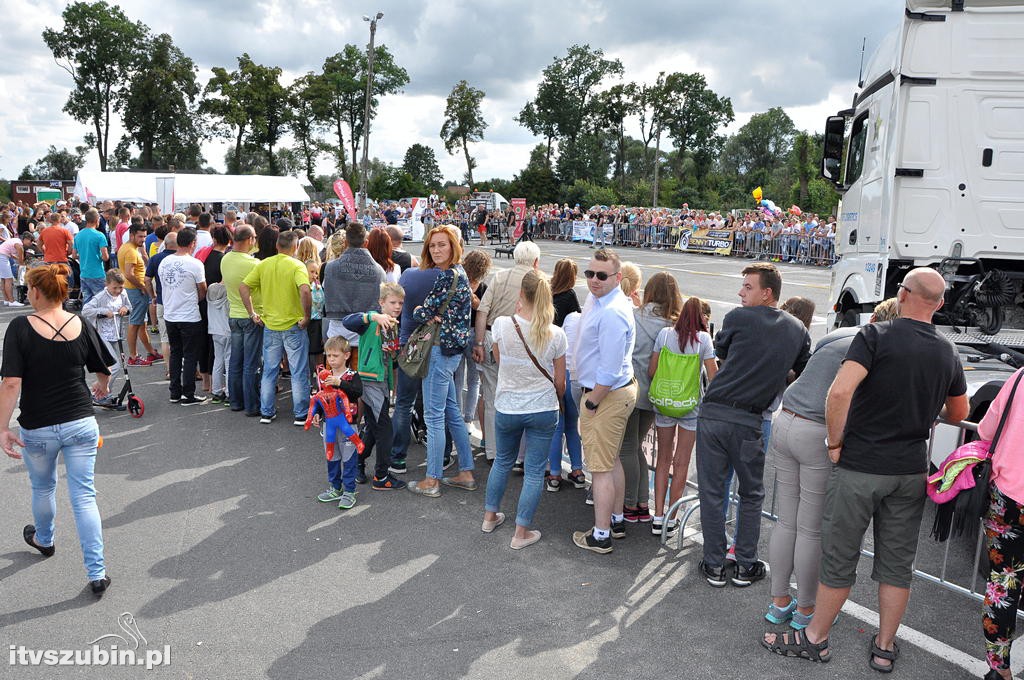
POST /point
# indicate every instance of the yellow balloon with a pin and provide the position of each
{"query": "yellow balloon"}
(758, 194)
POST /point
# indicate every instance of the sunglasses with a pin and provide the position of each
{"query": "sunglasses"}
(601, 276)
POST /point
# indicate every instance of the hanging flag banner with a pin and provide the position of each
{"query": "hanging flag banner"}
(519, 206)
(344, 192)
(165, 194)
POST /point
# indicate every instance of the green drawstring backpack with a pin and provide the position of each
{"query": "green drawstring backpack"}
(676, 385)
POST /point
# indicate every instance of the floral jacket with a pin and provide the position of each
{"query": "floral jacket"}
(456, 331)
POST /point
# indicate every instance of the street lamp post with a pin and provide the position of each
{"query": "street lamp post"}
(363, 168)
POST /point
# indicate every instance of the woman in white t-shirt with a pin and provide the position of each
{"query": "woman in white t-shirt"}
(526, 402)
(676, 436)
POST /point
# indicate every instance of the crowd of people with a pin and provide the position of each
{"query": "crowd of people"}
(542, 373)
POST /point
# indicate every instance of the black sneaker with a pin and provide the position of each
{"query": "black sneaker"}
(388, 483)
(586, 540)
(192, 399)
(361, 477)
(619, 529)
(397, 467)
(746, 576)
(518, 467)
(448, 462)
(99, 586)
(714, 575)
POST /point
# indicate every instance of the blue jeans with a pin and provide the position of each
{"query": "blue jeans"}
(568, 425)
(405, 398)
(78, 440)
(295, 342)
(90, 287)
(342, 474)
(246, 349)
(441, 408)
(509, 430)
(467, 374)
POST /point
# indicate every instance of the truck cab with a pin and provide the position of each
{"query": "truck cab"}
(930, 161)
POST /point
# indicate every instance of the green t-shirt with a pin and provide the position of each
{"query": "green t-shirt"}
(278, 279)
(234, 267)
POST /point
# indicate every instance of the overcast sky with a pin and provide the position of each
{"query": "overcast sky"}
(802, 56)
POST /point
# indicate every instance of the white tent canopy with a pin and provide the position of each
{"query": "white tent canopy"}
(141, 187)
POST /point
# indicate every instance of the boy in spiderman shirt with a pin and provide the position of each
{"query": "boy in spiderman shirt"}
(335, 403)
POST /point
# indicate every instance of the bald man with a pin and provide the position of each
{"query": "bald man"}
(898, 376)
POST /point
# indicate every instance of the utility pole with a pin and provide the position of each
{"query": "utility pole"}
(363, 168)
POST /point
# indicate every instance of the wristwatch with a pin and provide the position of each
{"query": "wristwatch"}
(833, 447)
(590, 405)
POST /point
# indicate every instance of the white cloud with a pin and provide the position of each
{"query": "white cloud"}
(801, 56)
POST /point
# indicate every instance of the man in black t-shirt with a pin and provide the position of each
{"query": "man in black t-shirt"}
(898, 376)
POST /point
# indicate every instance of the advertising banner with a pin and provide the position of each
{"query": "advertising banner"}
(519, 206)
(583, 230)
(165, 194)
(344, 192)
(717, 241)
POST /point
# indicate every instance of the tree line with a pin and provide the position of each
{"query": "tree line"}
(582, 109)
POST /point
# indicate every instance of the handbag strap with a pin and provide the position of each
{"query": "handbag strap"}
(529, 353)
(1006, 413)
(451, 294)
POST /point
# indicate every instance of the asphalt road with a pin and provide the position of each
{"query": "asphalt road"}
(219, 550)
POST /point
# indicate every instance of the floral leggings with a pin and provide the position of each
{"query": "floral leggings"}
(1004, 528)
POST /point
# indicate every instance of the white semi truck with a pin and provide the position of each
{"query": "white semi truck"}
(930, 163)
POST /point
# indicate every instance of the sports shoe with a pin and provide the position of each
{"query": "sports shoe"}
(715, 576)
(266, 420)
(586, 540)
(552, 483)
(299, 422)
(671, 527)
(330, 495)
(99, 586)
(746, 576)
(398, 467)
(619, 529)
(192, 399)
(140, 361)
(15, 303)
(518, 467)
(589, 500)
(347, 501)
(657, 524)
(174, 400)
(449, 460)
(361, 477)
(643, 513)
(631, 515)
(218, 398)
(387, 483)
(577, 479)
(155, 356)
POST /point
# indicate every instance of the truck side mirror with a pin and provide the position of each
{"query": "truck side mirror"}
(831, 163)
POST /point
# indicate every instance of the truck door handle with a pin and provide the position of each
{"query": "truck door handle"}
(986, 158)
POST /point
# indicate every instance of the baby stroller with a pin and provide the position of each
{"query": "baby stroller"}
(126, 399)
(22, 288)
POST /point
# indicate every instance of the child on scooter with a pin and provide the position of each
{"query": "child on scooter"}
(106, 311)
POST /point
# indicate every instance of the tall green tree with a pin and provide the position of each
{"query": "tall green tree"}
(613, 106)
(101, 53)
(341, 100)
(421, 164)
(56, 164)
(761, 146)
(694, 116)
(562, 106)
(537, 182)
(307, 128)
(158, 110)
(250, 104)
(463, 122)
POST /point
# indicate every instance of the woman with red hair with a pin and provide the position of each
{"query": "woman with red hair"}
(379, 244)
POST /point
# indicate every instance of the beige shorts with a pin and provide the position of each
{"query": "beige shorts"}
(160, 323)
(602, 430)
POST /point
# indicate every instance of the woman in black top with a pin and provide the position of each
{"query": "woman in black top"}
(562, 294)
(45, 358)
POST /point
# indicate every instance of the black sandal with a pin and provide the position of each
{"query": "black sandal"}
(799, 646)
(29, 534)
(883, 654)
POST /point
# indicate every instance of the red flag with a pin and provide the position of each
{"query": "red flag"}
(519, 206)
(344, 192)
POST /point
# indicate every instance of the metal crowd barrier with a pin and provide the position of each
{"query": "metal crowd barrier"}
(794, 248)
(973, 587)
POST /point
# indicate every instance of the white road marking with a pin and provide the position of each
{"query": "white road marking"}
(915, 637)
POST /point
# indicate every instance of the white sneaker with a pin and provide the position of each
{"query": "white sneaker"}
(14, 303)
